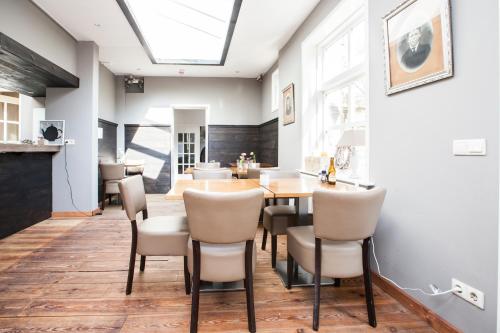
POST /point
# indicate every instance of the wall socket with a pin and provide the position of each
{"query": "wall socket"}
(468, 293)
(69, 141)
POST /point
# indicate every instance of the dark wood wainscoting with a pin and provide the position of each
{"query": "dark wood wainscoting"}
(227, 142)
(106, 146)
(151, 143)
(26, 195)
(268, 142)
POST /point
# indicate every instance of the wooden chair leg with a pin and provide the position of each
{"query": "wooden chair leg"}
(143, 263)
(103, 201)
(336, 282)
(317, 283)
(274, 249)
(264, 240)
(296, 271)
(187, 277)
(289, 271)
(131, 265)
(195, 304)
(249, 285)
(370, 304)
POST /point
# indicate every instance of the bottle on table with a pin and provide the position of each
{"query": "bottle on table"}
(332, 173)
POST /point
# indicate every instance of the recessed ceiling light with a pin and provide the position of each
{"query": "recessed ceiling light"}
(194, 32)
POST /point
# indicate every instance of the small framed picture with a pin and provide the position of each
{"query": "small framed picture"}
(288, 105)
(418, 45)
(52, 131)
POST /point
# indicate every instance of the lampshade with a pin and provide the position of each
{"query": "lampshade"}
(353, 137)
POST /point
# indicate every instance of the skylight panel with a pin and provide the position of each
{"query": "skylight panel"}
(196, 32)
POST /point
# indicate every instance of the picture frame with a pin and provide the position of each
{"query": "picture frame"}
(289, 105)
(52, 132)
(417, 44)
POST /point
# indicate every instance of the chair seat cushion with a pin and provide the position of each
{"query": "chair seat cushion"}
(112, 187)
(278, 218)
(163, 236)
(339, 259)
(221, 262)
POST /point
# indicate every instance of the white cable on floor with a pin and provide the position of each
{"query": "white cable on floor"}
(438, 293)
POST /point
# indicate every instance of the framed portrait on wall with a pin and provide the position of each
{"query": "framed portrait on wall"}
(288, 105)
(417, 43)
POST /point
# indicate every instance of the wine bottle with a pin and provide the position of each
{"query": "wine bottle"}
(332, 173)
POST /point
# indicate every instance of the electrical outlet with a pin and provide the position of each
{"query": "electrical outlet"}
(468, 293)
(69, 141)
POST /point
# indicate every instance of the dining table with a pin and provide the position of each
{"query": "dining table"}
(297, 189)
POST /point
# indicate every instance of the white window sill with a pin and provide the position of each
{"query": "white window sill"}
(347, 180)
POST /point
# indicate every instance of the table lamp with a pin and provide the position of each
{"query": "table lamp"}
(354, 138)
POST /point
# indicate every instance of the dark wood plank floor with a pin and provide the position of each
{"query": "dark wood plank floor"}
(69, 276)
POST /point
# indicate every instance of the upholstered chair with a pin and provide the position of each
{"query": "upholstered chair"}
(212, 174)
(338, 243)
(111, 174)
(277, 218)
(207, 165)
(153, 236)
(221, 247)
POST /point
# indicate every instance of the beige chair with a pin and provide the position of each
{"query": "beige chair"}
(277, 218)
(154, 236)
(212, 174)
(111, 174)
(221, 247)
(207, 165)
(254, 173)
(338, 243)
(134, 167)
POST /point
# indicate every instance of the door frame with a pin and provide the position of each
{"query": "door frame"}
(175, 107)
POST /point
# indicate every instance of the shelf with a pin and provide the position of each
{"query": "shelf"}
(24, 148)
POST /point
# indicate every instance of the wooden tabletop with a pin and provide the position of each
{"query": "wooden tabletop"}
(215, 185)
(304, 187)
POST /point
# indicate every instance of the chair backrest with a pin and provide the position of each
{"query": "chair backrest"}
(223, 218)
(133, 195)
(207, 165)
(278, 174)
(212, 174)
(112, 171)
(346, 215)
(253, 173)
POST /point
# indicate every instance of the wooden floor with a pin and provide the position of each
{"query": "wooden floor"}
(69, 276)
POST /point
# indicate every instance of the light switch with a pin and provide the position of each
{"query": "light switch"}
(471, 147)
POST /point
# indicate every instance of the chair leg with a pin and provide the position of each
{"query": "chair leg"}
(143, 263)
(249, 285)
(336, 282)
(103, 202)
(187, 277)
(296, 271)
(195, 303)
(317, 283)
(289, 271)
(370, 304)
(131, 265)
(264, 240)
(274, 249)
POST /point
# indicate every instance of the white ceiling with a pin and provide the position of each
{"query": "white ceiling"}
(262, 29)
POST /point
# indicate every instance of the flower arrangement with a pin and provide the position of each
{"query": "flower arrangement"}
(251, 157)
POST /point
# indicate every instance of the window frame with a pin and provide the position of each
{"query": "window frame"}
(4, 101)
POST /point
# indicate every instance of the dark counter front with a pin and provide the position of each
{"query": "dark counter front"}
(25, 190)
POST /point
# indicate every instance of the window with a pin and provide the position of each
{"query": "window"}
(185, 151)
(275, 97)
(194, 32)
(339, 92)
(9, 118)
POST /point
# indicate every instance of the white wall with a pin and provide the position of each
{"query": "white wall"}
(107, 94)
(230, 101)
(267, 93)
(440, 218)
(28, 25)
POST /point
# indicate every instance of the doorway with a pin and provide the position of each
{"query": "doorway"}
(189, 139)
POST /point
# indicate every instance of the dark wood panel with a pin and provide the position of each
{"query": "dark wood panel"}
(106, 146)
(27, 72)
(26, 195)
(227, 142)
(268, 142)
(153, 145)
